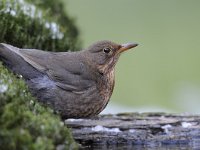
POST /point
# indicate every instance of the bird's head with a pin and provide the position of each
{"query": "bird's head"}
(104, 54)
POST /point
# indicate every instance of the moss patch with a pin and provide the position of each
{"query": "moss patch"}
(24, 123)
(37, 24)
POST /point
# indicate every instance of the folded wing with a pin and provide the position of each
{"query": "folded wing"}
(65, 69)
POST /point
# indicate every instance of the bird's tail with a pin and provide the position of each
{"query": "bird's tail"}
(10, 57)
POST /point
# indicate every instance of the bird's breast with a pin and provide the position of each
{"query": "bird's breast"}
(106, 86)
(110, 81)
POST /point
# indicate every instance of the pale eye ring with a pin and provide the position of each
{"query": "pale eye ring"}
(107, 50)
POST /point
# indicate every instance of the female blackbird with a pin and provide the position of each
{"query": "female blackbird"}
(75, 84)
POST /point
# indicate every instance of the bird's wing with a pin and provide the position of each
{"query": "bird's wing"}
(64, 68)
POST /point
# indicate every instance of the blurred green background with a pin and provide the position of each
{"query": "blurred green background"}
(163, 72)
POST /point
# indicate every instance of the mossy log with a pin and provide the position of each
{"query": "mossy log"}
(37, 24)
(24, 123)
(134, 130)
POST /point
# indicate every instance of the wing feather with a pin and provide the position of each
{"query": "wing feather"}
(64, 68)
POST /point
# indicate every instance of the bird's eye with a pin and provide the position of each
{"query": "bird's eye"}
(106, 50)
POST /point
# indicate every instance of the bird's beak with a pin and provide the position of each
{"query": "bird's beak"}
(127, 46)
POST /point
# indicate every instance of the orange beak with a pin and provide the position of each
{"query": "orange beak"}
(127, 46)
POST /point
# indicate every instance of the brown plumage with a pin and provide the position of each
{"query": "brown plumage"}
(75, 84)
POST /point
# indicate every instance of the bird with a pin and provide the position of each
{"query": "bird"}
(74, 84)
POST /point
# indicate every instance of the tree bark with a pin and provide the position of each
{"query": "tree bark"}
(137, 129)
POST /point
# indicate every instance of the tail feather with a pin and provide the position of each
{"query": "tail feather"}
(10, 57)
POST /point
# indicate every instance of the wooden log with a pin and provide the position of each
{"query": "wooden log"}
(132, 130)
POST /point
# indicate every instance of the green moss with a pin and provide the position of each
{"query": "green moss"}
(56, 9)
(24, 123)
(43, 25)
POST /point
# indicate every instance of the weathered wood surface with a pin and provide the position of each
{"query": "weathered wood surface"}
(136, 130)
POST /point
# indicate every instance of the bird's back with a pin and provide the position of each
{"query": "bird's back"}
(10, 58)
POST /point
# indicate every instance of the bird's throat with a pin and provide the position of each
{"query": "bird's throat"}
(107, 67)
